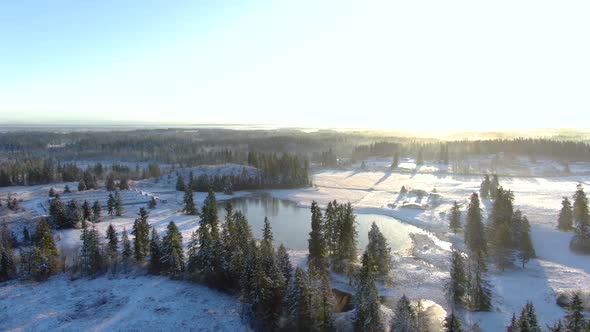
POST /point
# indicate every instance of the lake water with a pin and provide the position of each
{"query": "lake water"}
(291, 224)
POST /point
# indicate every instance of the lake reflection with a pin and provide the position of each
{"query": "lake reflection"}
(291, 224)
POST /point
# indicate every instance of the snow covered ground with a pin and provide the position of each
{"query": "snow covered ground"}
(122, 303)
(420, 273)
(556, 269)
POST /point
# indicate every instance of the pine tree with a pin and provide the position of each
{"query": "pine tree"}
(458, 284)
(474, 229)
(118, 204)
(96, 211)
(124, 184)
(110, 182)
(346, 252)
(180, 186)
(73, 213)
(155, 265)
(331, 229)
(367, 305)
(126, 253)
(86, 211)
(422, 319)
(378, 252)
(111, 205)
(317, 249)
(91, 258)
(189, 204)
(480, 295)
(322, 304)
(208, 260)
(67, 189)
(501, 228)
(52, 192)
(557, 327)
(528, 314)
(581, 240)
(172, 251)
(57, 214)
(452, 323)
(484, 188)
(112, 248)
(298, 306)
(494, 185)
(574, 319)
(284, 262)
(455, 218)
(152, 203)
(141, 230)
(513, 327)
(405, 316)
(565, 222)
(525, 244)
(82, 185)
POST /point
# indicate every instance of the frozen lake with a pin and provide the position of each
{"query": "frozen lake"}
(291, 224)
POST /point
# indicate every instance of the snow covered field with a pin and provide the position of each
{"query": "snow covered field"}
(420, 273)
(122, 303)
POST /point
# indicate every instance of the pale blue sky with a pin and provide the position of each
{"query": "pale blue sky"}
(385, 64)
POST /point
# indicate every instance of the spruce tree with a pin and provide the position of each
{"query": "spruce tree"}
(455, 218)
(73, 213)
(208, 260)
(110, 182)
(112, 242)
(452, 323)
(90, 253)
(316, 243)
(405, 316)
(529, 315)
(480, 295)
(96, 211)
(574, 319)
(367, 305)
(118, 204)
(378, 252)
(141, 230)
(346, 253)
(189, 203)
(180, 186)
(474, 228)
(501, 229)
(298, 306)
(513, 327)
(111, 205)
(494, 185)
(86, 210)
(172, 251)
(323, 304)
(126, 253)
(284, 262)
(57, 214)
(331, 229)
(484, 188)
(152, 203)
(565, 222)
(458, 284)
(581, 240)
(526, 251)
(155, 265)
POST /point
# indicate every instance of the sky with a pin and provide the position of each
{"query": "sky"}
(376, 64)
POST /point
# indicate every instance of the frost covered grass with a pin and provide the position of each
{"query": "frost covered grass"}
(122, 303)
